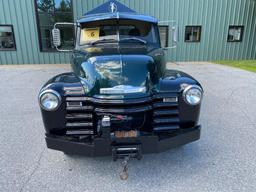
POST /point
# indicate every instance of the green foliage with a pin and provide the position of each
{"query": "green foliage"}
(248, 65)
(49, 6)
(64, 12)
(46, 5)
(53, 11)
(65, 6)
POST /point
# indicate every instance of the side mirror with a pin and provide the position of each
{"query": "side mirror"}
(56, 38)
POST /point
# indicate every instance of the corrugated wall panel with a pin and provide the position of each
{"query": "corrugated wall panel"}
(21, 14)
(215, 16)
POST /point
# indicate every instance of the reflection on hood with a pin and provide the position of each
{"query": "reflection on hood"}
(117, 70)
(111, 70)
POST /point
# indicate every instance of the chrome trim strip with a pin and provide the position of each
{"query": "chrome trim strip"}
(122, 89)
(119, 101)
(83, 108)
(122, 110)
(109, 101)
(161, 104)
(78, 99)
(166, 128)
(165, 112)
(73, 90)
(127, 149)
(165, 99)
(79, 116)
(79, 124)
(71, 105)
(80, 132)
(165, 95)
(166, 120)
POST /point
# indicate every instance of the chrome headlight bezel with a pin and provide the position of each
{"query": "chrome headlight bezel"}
(189, 88)
(53, 92)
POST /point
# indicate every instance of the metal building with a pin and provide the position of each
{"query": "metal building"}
(204, 29)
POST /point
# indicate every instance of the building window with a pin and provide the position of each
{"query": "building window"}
(164, 35)
(235, 33)
(48, 13)
(7, 40)
(193, 33)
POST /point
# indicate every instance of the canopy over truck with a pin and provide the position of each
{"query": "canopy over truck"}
(114, 10)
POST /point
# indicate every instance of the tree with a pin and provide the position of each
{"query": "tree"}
(46, 5)
(65, 6)
(63, 12)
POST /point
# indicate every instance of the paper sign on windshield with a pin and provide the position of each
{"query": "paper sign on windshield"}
(90, 34)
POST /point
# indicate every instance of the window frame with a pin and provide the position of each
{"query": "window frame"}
(13, 36)
(167, 35)
(117, 25)
(200, 29)
(39, 29)
(242, 33)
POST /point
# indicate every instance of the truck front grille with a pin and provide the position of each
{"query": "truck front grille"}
(82, 113)
(166, 113)
(79, 117)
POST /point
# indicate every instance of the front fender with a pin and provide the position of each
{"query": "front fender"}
(177, 81)
(65, 84)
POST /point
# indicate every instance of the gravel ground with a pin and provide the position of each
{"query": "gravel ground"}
(223, 160)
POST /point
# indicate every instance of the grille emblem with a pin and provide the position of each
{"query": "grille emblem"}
(170, 99)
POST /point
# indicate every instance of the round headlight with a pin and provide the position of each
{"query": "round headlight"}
(49, 100)
(193, 95)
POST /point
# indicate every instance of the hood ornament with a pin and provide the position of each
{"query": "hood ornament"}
(113, 7)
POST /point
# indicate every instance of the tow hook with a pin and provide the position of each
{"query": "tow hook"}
(126, 153)
(124, 173)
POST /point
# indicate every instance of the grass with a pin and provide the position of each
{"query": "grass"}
(248, 65)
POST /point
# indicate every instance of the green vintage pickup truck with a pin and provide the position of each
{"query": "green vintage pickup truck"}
(119, 99)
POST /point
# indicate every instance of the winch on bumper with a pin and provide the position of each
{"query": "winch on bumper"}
(105, 146)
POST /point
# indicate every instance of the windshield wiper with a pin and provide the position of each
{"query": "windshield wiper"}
(102, 40)
(134, 39)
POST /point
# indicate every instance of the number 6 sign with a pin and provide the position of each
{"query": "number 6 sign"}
(91, 34)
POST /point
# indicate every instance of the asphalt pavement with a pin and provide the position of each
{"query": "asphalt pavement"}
(224, 159)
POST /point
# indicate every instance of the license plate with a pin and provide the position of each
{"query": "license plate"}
(126, 134)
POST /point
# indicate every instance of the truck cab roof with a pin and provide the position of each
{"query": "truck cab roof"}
(114, 10)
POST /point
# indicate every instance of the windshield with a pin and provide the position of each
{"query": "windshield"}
(122, 31)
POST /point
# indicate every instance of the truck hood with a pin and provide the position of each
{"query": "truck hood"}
(117, 74)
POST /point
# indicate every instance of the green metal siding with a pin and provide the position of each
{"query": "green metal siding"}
(21, 14)
(215, 16)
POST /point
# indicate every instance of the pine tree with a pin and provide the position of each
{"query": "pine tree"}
(46, 5)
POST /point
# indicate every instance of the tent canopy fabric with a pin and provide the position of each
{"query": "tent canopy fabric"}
(110, 6)
(114, 10)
